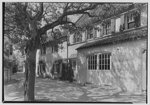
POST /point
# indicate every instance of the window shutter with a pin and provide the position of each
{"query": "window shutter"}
(122, 19)
(71, 39)
(125, 21)
(83, 36)
(112, 25)
(144, 16)
(101, 31)
(117, 24)
(86, 34)
(94, 32)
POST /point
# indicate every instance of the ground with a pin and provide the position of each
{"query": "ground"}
(55, 90)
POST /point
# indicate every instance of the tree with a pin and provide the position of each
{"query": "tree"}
(25, 23)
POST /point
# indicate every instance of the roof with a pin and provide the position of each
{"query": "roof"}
(73, 56)
(103, 13)
(118, 37)
(54, 42)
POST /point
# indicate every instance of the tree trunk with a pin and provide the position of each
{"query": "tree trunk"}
(30, 76)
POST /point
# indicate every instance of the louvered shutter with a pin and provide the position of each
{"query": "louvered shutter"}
(112, 25)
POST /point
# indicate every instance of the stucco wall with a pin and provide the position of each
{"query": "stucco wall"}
(126, 65)
(49, 58)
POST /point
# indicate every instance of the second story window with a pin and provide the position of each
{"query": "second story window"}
(43, 50)
(130, 20)
(77, 37)
(98, 31)
(90, 32)
(107, 28)
(133, 19)
(54, 48)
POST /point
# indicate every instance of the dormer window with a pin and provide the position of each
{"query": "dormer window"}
(43, 50)
(77, 37)
(130, 20)
(107, 27)
(90, 32)
(133, 19)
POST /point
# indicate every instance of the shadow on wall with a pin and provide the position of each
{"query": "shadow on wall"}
(81, 68)
(49, 60)
(126, 68)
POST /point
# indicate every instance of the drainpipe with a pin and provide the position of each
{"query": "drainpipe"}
(67, 52)
(67, 48)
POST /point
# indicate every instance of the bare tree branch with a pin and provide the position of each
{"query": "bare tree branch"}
(39, 15)
(60, 21)
(66, 7)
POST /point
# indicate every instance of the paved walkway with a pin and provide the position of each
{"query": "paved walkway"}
(54, 90)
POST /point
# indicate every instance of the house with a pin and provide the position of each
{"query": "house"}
(46, 57)
(113, 51)
(8, 59)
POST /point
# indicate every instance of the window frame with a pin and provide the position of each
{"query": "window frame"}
(43, 50)
(132, 19)
(107, 28)
(103, 65)
(77, 37)
(97, 65)
(93, 65)
(90, 33)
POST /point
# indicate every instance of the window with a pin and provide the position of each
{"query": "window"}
(107, 28)
(90, 34)
(92, 62)
(54, 49)
(98, 31)
(133, 19)
(99, 62)
(43, 50)
(77, 37)
(104, 61)
(130, 20)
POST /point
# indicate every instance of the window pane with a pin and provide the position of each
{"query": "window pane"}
(93, 62)
(103, 67)
(106, 67)
(102, 61)
(131, 25)
(100, 66)
(106, 60)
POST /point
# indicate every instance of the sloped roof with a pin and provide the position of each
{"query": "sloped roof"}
(73, 56)
(118, 37)
(102, 13)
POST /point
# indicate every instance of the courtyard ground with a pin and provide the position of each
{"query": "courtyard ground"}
(47, 90)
